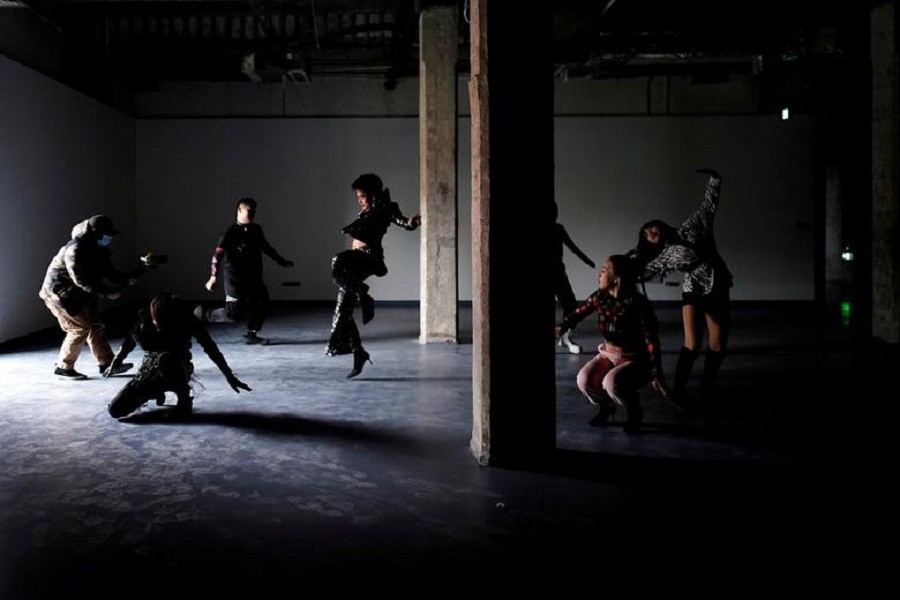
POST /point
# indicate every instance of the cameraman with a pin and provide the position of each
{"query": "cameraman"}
(78, 276)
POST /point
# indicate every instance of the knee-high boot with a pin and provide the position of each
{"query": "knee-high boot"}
(711, 365)
(683, 368)
(344, 333)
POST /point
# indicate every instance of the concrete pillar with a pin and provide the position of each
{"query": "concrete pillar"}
(438, 39)
(885, 171)
(513, 306)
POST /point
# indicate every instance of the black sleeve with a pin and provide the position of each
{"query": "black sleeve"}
(584, 309)
(268, 250)
(219, 253)
(209, 345)
(129, 343)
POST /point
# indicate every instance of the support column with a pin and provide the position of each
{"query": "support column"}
(513, 371)
(437, 174)
(885, 171)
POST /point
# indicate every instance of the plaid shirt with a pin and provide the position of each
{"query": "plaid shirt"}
(627, 321)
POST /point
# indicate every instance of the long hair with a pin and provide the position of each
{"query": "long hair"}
(169, 311)
(626, 268)
(644, 252)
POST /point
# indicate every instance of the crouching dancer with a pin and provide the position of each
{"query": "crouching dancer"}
(165, 331)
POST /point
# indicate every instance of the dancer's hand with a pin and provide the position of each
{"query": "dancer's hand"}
(558, 331)
(414, 222)
(659, 386)
(113, 366)
(211, 283)
(236, 384)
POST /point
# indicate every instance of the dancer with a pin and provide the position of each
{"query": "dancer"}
(692, 250)
(164, 330)
(630, 356)
(239, 254)
(561, 285)
(350, 268)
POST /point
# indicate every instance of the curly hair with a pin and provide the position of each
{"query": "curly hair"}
(370, 183)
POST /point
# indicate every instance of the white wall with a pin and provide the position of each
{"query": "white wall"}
(171, 183)
(615, 173)
(63, 157)
(192, 172)
(612, 175)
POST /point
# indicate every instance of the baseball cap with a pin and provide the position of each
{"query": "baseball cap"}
(103, 225)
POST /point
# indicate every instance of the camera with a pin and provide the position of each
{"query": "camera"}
(151, 260)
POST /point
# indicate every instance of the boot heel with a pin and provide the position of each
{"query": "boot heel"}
(359, 361)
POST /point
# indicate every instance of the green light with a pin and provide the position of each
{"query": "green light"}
(845, 309)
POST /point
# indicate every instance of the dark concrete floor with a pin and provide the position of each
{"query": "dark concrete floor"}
(313, 482)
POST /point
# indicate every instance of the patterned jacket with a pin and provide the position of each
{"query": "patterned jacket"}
(80, 272)
(626, 320)
(692, 250)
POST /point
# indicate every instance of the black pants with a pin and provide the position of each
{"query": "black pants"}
(160, 372)
(349, 270)
(562, 288)
(250, 304)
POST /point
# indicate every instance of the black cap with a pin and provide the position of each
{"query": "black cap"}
(103, 225)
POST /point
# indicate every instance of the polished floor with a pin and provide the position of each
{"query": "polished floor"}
(316, 482)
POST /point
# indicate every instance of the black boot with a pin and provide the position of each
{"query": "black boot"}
(607, 410)
(635, 415)
(711, 365)
(683, 368)
(367, 304)
(344, 333)
(360, 357)
(184, 406)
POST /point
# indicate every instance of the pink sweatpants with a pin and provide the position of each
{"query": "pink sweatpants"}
(612, 375)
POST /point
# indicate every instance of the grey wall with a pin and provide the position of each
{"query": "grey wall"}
(192, 172)
(63, 157)
(625, 153)
(613, 174)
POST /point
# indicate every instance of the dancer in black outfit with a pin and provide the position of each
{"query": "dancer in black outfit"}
(165, 331)
(561, 285)
(350, 268)
(238, 255)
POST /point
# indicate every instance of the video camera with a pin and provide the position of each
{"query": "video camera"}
(151, 260)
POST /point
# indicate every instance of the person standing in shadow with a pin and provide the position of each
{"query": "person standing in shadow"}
(165, 331)
(630, 356)
(561, 285)
(691, 249)
(350, 268)
(238, 256)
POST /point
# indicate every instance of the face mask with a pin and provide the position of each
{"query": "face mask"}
(104, 241)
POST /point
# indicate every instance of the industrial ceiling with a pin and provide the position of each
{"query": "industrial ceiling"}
(140, 44)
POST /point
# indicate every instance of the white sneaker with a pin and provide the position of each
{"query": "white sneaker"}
(566, 341)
